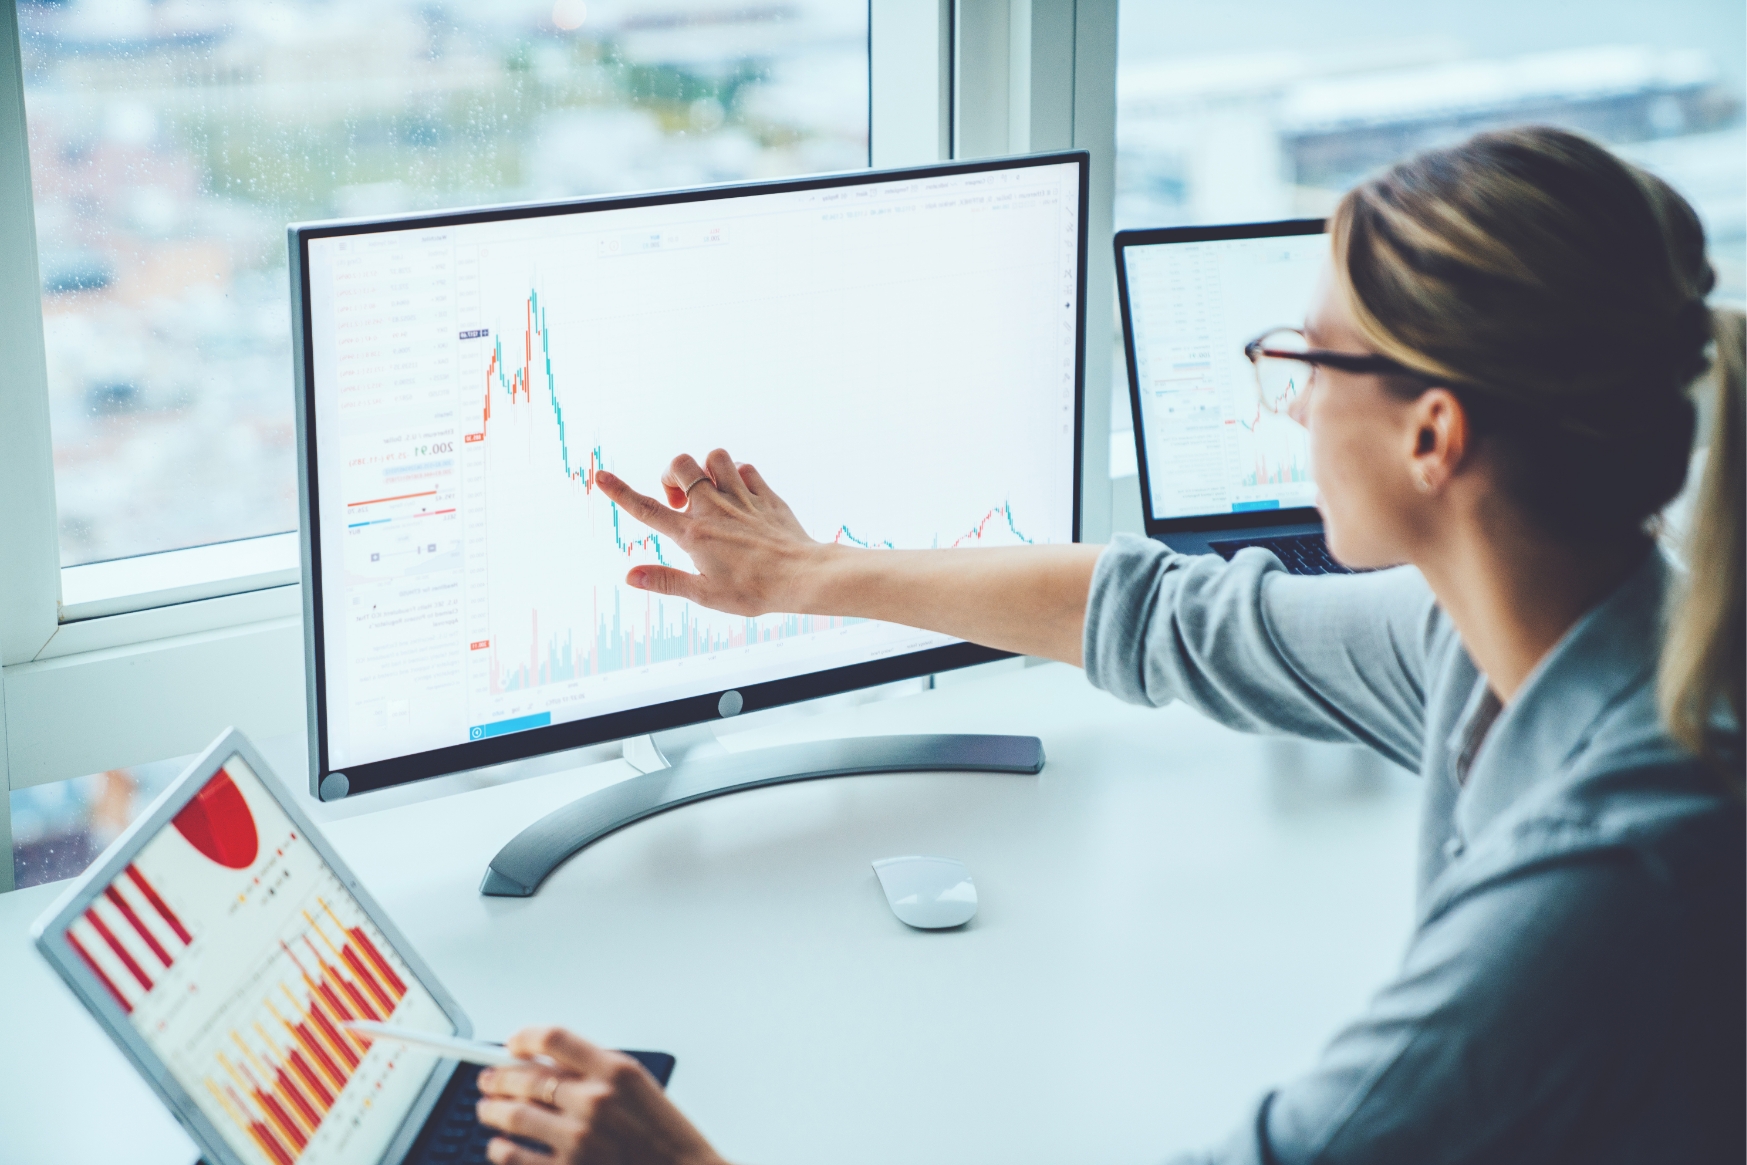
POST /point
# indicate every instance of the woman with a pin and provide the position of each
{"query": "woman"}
(1528, 313)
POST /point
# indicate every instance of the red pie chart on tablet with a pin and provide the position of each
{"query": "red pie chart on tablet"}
(217, 822)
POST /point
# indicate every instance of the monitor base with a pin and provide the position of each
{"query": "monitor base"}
(522, 864)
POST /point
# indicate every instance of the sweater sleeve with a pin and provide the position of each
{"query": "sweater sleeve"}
(1331, 657)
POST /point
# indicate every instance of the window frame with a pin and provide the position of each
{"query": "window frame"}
(110, 664)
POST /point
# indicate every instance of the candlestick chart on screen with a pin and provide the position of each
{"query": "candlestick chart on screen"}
(1273, 448)
(536, 456)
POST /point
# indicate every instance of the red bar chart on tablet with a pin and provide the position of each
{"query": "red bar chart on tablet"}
(239, 956)
(293, 1059)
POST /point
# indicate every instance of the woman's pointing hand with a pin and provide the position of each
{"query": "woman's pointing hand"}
(751, 554)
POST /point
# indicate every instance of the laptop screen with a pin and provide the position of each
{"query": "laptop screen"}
(237, 954)
(1211, 444)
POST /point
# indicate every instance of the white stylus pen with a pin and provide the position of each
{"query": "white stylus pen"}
(471, 1051)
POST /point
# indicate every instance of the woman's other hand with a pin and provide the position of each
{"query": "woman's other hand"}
(752, 555)
(593, 1106)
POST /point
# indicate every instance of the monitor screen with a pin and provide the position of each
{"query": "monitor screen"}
(238, 956)
(1211, 445)
(899, 354)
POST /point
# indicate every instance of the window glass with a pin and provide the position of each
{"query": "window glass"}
(172, 140)
(1272, 110)
(60, 828)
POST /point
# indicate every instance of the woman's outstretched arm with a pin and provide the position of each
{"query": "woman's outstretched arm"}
(752, 556)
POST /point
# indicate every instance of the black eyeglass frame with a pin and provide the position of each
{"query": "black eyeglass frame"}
(1345, 361)
(1484, 408)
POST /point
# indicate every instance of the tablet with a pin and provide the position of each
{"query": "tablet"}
(223, 945)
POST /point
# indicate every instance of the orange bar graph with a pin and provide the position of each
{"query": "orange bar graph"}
(318, 1068)
(271, 1116)
(257, 1130)
(280, 1085)
(358, 938)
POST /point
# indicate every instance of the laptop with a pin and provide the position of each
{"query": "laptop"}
(223, 944)
(1221, 468)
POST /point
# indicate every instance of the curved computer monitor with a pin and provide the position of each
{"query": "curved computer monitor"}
(899, 352)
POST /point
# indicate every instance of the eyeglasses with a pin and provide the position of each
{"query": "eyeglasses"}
(1282, 358)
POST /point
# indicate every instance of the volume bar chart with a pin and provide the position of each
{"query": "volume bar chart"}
(623, 642)
(283, 1071)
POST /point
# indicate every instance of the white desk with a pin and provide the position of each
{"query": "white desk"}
(1173, 917)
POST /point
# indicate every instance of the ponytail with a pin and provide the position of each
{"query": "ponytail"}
(1704, 651)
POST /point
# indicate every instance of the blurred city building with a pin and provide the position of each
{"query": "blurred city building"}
(1279, 134)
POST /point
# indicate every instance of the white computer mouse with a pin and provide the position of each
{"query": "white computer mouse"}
(928, 893)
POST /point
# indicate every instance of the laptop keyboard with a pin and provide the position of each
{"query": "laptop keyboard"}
(1298, 553)
(453, 1134)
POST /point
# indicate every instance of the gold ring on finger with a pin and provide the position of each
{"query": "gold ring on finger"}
(551, 1098)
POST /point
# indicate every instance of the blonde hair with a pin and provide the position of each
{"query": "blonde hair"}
(1704, 653)
(1560, 294)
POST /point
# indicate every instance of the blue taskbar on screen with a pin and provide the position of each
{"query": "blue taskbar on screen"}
(514, 724)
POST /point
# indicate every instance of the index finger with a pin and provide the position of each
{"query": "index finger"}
(645, 509)
(568, 1050)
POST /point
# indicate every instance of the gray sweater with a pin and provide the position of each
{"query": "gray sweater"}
(1573, 987)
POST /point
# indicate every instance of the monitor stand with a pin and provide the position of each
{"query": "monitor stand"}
(689, 764)
(666, 750)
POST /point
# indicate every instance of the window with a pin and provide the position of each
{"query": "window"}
(171, 142)
(1273, 110)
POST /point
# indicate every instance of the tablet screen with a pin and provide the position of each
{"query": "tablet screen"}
(238, 954)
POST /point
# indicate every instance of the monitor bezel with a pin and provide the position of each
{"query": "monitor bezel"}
(697, 709)
(86, 888)
(1195, 523)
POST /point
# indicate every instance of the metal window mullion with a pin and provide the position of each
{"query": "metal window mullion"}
(983, 54)
(8, 880)
(1014, 76)
(1094, 129)
(30, 579)
(909, 82)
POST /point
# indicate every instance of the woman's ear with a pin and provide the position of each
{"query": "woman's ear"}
(1440, 438)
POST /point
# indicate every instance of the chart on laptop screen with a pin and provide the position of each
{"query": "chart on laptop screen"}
(1213, 446)
(898, 359)
(238, 956)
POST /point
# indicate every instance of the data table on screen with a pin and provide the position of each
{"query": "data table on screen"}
(898, 360)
